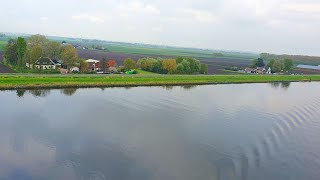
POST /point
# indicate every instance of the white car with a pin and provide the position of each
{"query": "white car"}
(100, 72)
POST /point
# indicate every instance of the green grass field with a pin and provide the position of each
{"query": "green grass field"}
(64, 81)
(139, 71)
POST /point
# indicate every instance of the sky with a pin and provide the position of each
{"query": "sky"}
(274, 26)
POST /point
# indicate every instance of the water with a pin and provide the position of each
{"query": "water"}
(243, 131)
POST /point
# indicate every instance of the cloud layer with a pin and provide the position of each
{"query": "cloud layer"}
(277, 26)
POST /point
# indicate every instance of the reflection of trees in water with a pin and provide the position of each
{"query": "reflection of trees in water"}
(167, 87)
(283, 85)
(40, 92)
(21, 92)
(68, 91)
(189, 87)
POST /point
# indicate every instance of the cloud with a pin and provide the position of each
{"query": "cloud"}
(157, 28)
(44, 19)
(308, 8)
(87, 17)
(201, 15)
(140, 7)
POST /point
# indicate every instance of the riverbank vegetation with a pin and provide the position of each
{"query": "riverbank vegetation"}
(64, 81)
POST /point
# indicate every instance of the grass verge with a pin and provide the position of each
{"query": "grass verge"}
(26, 81)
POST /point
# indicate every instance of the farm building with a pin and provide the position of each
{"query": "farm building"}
(45, 63)
(309, 67)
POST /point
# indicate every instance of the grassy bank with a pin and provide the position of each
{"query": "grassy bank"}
(63, 81)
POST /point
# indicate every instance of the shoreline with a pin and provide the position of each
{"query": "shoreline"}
(38, 81)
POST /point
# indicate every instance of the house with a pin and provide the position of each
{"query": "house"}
(94, 65)
(45, 63)
(258, 70)
(261, 70)
(249, 70)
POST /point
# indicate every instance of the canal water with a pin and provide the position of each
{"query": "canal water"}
(222, 132)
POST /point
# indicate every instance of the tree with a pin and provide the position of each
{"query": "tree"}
(278, 66)
(52, 50)
(37, 40)
(170, 65)
(10, 52)
(84, 66)
(103, 64)
(179, 60)
(33, 54)
(21, 51)
(69, 55)
(147, 64)
(194, 65)
(288, 64)
(270, 64)
(187, 67)
(112, 63)
(203, 69)
(258, 63)
(129, 64)
(180, 69)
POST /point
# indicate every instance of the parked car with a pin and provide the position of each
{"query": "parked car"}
(100, 72)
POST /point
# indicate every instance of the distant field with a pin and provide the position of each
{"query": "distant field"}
(197, 53)
(215, 65)
(154, 50)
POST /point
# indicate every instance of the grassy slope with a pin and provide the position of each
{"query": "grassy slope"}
(59, 81)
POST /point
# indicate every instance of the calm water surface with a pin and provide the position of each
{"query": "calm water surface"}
(244, 131)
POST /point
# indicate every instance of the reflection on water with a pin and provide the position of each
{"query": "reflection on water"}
(222, 132)
(68, 91)
(283, 85)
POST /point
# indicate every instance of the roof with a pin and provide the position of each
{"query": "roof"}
(92, 61)
(47, 59)
(309, 67)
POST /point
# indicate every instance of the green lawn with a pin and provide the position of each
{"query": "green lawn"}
(62, 81)
(139, 71)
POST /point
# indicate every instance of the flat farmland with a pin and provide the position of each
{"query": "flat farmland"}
(215, 65)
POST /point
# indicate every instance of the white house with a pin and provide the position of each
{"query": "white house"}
(45, 63)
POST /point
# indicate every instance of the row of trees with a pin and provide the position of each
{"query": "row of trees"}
(281, 65)
(20, 51)
(276, 65)
(179, 65)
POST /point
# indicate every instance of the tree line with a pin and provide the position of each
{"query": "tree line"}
(276, 65)
(179, 65)
(312, 60)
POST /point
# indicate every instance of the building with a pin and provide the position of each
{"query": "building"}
(93, 65)
(45, 63)
(301, 66)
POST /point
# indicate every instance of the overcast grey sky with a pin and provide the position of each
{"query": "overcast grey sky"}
(277, 26)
